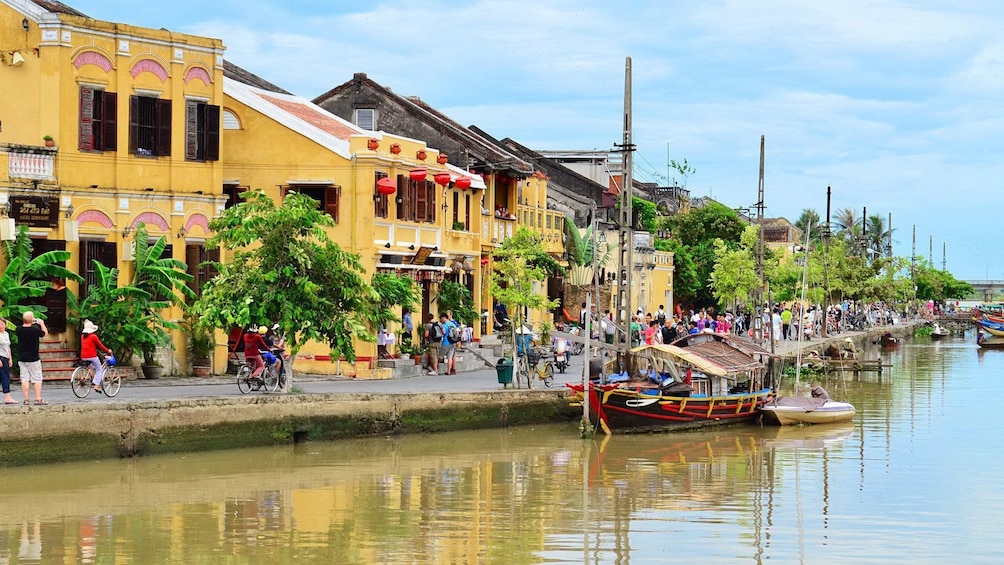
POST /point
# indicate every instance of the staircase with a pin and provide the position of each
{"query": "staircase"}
(58, 362)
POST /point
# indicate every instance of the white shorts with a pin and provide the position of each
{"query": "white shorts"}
(31, 371)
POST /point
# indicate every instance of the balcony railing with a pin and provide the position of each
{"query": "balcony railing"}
(31, 163)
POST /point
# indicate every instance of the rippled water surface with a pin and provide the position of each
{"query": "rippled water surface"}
(915, 478)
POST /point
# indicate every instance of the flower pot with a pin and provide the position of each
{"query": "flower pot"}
(50, 143)
(152, 371)
(201, 370)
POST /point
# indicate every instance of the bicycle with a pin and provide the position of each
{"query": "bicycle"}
(82, 379)
(526, 367)
(272, 378)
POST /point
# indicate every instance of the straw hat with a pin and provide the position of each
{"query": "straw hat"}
(89, 327)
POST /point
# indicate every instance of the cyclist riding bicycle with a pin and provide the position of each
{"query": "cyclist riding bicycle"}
(90, 344)
(254, 344)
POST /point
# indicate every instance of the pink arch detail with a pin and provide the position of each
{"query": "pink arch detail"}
(198, 73)
(197, 220)
(152, 218)
(92, 58)
(95, 217)
(149, 66)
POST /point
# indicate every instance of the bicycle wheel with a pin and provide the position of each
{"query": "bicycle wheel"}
(548, 375)
(112, 382)
(271, 378)
(80, 381)
(244, 383)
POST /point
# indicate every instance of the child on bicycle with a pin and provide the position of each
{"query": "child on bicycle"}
(90, 344)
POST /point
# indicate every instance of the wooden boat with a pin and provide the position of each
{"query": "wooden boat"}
(989, 342)
(939, 332)
(992, 328)
(799, 410)
(888, 341)
(701, 380)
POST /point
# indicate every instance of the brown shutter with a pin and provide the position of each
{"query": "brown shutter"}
(86, 136)
(402, 185)
(211, 147)
(133, 124)
(191, 130)
(162, 144)
(109, 123)
(467, 210)
(456, 208)
(331, 195)
(430, 188)
(421, 202)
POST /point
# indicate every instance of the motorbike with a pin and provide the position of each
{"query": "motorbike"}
(561, 355)
(577, 347)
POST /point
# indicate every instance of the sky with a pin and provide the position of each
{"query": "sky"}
(894, 105)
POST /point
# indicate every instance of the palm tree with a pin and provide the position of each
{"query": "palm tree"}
(26, 277)
(876, 236)
(849, 226)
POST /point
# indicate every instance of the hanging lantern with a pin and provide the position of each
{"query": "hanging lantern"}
(386, 186)
(421, 155)
(442, 159)
(417, 174)
(463, 183)
(395, 148)
(442, 178)
(373, 144)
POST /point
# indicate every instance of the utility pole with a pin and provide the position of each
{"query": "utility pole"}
(888, 245)
(625, 267)
(826, 264)
(913, 263)
(944, 257)
(864, 234)
(930, 250)
(759, 293)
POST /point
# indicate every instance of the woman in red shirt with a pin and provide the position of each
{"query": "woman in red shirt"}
(89, 347)
(253, 345)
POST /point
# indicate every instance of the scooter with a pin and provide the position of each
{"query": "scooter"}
(561, 355)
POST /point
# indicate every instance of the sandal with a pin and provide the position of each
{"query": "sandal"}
(40, 402)
(26, 403)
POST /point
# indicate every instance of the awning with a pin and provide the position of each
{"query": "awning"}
(476, 180)
(663, 351)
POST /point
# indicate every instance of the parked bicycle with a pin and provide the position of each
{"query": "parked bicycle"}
(82, 379)
(527, 368)
(271, 379)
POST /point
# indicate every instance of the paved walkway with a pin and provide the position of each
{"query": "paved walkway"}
(480, 380)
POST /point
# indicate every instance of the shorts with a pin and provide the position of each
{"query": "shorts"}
(31, 371)
(434, 354)
(449, 351)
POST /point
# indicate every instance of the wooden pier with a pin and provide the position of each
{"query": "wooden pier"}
(856, 366)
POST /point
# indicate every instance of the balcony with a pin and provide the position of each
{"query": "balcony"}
(27, 162)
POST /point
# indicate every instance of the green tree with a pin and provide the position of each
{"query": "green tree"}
(517, 271)
(696, 232)
(809, 218)
(734, 275)
(848, 227)
(876, 237)
(684, 169)
(583, 252)
(457, 298)
(393, 292)
(285, 269)
(25, 277)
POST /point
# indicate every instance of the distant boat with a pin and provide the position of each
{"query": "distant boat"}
(817, 409)
(995, 329)
(939, 332)
(888, 341)
(989, 342)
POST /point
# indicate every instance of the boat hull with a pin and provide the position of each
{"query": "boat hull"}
(638, 409)
(829, 413)
(996, 330)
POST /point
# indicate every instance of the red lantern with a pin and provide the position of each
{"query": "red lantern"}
(395, 148)
(420, 155)
(372, 144)
(442, 159)
(417, 174)
(442, 178)
(463, 183)
(386, 186)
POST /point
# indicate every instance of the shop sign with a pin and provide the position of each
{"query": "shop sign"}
(35, 211)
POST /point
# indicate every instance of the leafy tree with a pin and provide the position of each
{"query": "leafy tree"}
(849, 227)
(394, 291)
(809, 218)
(937, 285)
(876, 237)
(285, 269)
(517, 268)
(25, 277)
(457, 297)
(686, 282)
(734, 275)
(696, 232)
(684, 169)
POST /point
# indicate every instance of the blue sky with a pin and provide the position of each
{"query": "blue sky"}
(896, 105)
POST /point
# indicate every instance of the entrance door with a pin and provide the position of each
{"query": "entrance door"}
(54, 299)
(90, 251)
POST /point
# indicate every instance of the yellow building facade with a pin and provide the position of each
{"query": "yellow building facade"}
(104, 126)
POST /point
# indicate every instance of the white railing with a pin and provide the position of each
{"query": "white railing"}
(31, 165)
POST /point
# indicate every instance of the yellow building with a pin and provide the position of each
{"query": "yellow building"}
(133, 119)
(425, 229)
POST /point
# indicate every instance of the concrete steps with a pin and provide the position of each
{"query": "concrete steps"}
(471, 358)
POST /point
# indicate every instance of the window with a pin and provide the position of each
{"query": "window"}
(97, 120)
(366, 118)
(417, 202)
(381, 202)
(202, 131)
(327, 196)
(91, 251)
(149, 126)
(233, 194)
(230, 120)
(196, 258)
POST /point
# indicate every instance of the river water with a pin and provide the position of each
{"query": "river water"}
(915, 478)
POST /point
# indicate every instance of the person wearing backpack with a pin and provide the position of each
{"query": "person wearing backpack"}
(433, 337)
(451, 331)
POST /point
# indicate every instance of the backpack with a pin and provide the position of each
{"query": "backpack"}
(454, 334)
(436, 332)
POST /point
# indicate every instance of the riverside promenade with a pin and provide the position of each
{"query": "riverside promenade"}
(181, 414)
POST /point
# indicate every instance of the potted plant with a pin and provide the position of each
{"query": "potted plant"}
(49, 142)
(459, 226)
(201, 343)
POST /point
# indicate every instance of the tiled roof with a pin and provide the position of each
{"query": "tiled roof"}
(239, 74)
(54, 6)
(312, 115)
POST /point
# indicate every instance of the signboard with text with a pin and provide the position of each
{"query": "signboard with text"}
(35, 211)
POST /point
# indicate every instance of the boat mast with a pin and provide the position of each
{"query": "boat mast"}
(826, 267)
(801, 311)
(758, 310)
(625, 264)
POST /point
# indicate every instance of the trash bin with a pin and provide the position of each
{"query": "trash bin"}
(504, 368)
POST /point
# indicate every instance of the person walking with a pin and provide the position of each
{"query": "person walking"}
(450, 340)
(29, 333)
(90, 344)
(433, 337)
(5, 360)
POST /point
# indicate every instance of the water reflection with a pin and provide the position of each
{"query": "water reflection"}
(854, 492)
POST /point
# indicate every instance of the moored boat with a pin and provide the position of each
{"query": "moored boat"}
(889, 341)
(798, 410)
(993, 328)
(938, 332)
(987, 342)
(701, 380)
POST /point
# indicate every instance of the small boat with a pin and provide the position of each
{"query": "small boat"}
(986, 342)
(800, 410)
(993, 328)
(939, 332)
(701, 380)
(888, 341)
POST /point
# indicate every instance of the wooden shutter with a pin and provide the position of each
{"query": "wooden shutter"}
(162, 143)
(86, 136)
(421, 201)
(456, 208)
(191, 130)
(430, 189)
(331, 195)
(192, 255)
(402, 186)
(381, 203)
(133, 124)
(467, 211)
(211, 144)
(109, 123)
